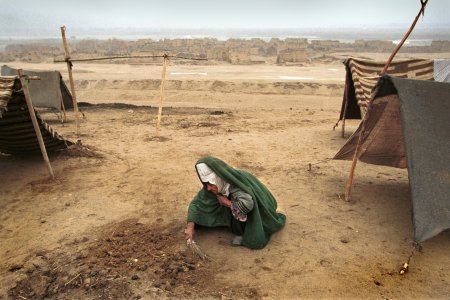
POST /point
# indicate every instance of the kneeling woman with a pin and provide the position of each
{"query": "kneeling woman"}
(236, 199)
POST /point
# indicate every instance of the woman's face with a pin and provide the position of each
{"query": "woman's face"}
(212, 188)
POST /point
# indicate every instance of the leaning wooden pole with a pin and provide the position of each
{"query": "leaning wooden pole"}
(356, 155)
(35, 122)
(421, 12)
(72, 84)
(161, 96)
(363, 125)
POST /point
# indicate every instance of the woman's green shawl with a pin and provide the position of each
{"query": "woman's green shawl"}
(262, 221)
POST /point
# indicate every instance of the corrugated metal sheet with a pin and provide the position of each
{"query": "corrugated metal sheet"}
(17, 135)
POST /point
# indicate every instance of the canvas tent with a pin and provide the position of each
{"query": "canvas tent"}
(442, 70)
(17, 134)
(362, 75)
(46, 92)
(408, 126)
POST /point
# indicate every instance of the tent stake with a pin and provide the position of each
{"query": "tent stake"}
(161, 96)
(72, 85)
(35, 122)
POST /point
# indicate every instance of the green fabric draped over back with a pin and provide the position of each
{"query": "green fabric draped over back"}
(262, 221)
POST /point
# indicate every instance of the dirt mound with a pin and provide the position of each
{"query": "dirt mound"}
(129, 260)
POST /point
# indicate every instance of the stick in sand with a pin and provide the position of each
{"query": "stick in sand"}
(161, 96)
(35, 122)
(72, 84)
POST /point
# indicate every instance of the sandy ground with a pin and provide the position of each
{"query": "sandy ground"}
(111, 224)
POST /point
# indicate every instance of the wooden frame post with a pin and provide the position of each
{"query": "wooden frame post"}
(161, 96)
(63, 108)
(35, 122)
(72, 84)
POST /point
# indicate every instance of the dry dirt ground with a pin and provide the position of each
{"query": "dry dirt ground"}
(110, 226)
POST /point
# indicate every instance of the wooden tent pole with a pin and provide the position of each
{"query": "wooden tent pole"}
(344, 114)
(356, 155)
(35, 122)
(363, 125)
(421, 12)
(161, 96)
(64, 111)
(63, 108)
(72, 85)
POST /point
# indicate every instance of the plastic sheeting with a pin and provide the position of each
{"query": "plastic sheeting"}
(46, 92)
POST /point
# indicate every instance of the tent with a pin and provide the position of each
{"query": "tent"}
(17, 135)
(362, 75)
(46, 92)
(408, 126)
(442, 70)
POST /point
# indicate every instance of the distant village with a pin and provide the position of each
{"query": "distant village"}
(233, 51)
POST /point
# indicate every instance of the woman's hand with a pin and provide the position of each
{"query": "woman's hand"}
(189, 231)
(223, 200)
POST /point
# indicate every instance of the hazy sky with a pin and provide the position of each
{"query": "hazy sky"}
(218, 14)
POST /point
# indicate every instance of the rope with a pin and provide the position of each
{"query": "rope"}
(416, 247)
(166, 56)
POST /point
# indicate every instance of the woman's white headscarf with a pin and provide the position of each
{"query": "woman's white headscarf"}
(208, 175)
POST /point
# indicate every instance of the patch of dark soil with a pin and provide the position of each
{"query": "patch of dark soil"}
(112, 105)
(79, 150)
(129, 260)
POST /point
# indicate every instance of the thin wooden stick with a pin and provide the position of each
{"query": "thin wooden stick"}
(363, 125)
(161, 96)
(126, 56)
(26, 92)
(421, 12)
(348, 187)
(63, 108)
(344, 114)
(72, 85)
(72, 279)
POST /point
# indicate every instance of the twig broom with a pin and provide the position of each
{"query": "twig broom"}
(196, 251)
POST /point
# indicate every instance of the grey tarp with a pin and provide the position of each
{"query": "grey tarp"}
(46, 92)
(17, 135)
(425, 115)
(408, 125)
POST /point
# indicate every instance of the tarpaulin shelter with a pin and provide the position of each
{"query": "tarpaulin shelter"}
(47, 92)
(442, 70)
(408, 126)
(17, 134)
(362, 75)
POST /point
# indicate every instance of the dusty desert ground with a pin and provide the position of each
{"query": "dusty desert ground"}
(110, 225)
